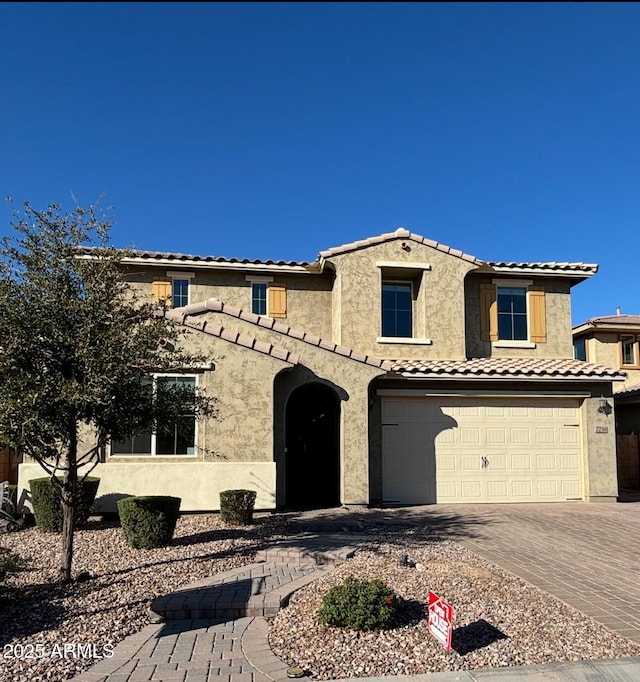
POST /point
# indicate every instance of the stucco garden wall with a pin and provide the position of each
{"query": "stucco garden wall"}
(198, 484)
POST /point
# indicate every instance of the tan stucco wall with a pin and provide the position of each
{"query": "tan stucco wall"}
(309, 301)
(438, 308)
(600, 475)
(604, 349)
(559, 342)
(198, 484)
(348, 378)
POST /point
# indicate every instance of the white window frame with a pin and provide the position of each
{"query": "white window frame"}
(174, 275)
(153, 454)
(525, 284)
(260, 279)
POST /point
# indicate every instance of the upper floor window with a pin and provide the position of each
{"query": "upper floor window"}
(259, 298)
(176, 438)
(512, 313)
(172, 290)
(629, 350)
(267, 297)
(580, 349)
(397, 318)
(179, 292)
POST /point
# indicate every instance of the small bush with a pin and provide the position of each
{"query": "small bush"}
(359, 605)
(149, 521)
(10, 562)
(48, 509)
(236, 506)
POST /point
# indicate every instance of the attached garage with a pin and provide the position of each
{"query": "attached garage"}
(489, 449)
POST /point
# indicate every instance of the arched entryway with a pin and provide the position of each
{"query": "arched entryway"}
(312, 454)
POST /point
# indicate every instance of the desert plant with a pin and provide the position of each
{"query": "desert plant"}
(10, 562)
(47, 507)
(149, 521)
(359, 605)
(236, 506)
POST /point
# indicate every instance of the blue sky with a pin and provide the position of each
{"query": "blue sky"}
(275, 130)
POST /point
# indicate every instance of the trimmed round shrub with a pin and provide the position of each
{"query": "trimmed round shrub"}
(359, 605)
(236, 506)
(149, 521)
(47, 507)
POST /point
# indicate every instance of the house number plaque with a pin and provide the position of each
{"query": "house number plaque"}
(602, 429)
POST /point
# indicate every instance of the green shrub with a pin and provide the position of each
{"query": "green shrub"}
(149, 521)
(48, 509)
(10, 562)
(359, 605)
(236, 506)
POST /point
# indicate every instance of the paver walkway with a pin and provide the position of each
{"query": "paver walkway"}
(585, 554)
(216, 628)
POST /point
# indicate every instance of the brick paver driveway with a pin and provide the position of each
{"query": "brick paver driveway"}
(587, 555)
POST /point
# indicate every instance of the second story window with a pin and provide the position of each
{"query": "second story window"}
(397, 318)
(629, 350)
(512, 313)
(179, 292)
(259, 298)
(580, 349)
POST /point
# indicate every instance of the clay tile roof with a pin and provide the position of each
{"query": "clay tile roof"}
(632, 391)
(508, 368)
(233, 336)
(587, 269)
(400, 233)
(215, 305)
(182, 258)
(615, 320)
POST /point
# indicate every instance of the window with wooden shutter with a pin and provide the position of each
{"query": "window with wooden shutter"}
(162, 291)
(488, 313)
(537, 316)
(277, 300)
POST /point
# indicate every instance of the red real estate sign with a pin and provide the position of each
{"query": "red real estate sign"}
(440, 619)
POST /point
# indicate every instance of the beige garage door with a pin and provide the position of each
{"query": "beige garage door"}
(480, 450)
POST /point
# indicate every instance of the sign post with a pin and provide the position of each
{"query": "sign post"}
(440, 620)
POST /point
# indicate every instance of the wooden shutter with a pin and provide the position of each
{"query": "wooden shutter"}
(162, 291)
(537, 316)
(488, 313)
(277, 300)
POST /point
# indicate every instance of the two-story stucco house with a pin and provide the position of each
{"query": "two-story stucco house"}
(614, 340)
(393, 370)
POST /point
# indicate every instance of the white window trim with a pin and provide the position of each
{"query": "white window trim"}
(402, 265)
(151, 455)
(258, 279)
(404, 339)
(507, 343)
(177, 274)
(516, 284)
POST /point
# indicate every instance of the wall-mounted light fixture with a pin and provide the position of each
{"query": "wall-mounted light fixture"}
(604, 407)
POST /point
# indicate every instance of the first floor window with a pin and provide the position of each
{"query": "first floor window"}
(176, 437)
(397, 309)
(512, 313)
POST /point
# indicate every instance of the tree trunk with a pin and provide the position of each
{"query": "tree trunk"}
(69, 499)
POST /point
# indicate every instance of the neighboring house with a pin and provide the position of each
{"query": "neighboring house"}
(393, 370)
(614, 340)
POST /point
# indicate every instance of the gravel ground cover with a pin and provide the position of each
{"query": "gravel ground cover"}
(500, 619)
(38, 620)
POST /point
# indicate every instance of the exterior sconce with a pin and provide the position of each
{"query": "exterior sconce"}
(405, 247)
(604, 407)
(166, 345)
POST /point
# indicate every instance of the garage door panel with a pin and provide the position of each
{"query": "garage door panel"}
(490, 450)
